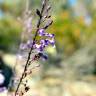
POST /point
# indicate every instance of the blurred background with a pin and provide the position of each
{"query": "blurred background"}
(71, 67)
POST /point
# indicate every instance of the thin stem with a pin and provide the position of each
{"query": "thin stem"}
(29, 54)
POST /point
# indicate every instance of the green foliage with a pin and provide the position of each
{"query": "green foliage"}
(71, 33)
(9, 34)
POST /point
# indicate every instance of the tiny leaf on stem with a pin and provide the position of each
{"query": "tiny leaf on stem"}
(38, 13)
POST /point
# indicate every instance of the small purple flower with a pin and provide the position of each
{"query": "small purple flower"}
(29, 43)
(44, 42)
(39, 47)
(52, 42)
(49, 35)
(23, 46)
(41, 32)
(43, 56)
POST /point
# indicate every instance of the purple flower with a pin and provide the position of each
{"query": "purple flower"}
(44, 42)
(49, 35)
(29, 43)
(41, 32)
(23, 46)
(39, 47)
(52, 42)
(43, 56)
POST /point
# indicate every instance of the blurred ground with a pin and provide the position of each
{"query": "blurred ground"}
(66, 81)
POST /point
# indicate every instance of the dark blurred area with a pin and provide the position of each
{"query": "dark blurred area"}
(5, 73)
(73, 63)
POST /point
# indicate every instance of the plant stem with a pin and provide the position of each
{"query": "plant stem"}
(29, 54)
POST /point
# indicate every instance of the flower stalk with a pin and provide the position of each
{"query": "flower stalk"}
(43, 43)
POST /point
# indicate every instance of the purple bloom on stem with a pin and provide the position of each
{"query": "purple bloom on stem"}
(23, 46)
(39, 47)
(42, 42)
(46, 42)
(52, 42)
(36, 46)
(41, 32)
(43, 56)
(49, 35)
(29, 43)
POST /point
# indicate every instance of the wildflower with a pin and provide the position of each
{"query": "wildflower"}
(41, 32)
(44, 42)
(39, 47)
(43, 56)
(52, 42)
(23, 46)
(29, 43)
(40, 55)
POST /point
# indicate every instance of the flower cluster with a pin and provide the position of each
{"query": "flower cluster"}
(43, 43)
(33, 45)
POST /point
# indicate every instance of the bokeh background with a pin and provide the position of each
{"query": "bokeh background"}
(71, 67)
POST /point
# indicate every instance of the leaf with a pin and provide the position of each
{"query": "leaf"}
(38, 13)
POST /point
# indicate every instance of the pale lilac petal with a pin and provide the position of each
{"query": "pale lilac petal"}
(41, 32)
(29, 43)
(23, 46)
